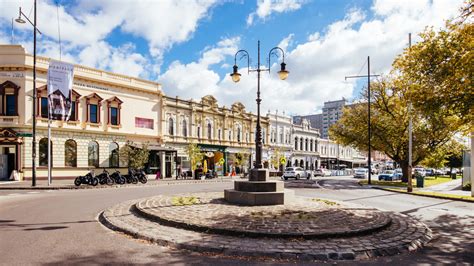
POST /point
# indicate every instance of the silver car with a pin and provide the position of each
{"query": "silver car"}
(293, 172)
(361, 173)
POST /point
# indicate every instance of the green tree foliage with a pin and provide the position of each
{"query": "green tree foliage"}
(389, 125)
(454, 155)
(135, 157)
(440, 69)
(240, 159)
(195, 155)
(276, 158)
(436, 77)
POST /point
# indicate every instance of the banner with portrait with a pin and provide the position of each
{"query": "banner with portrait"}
(60, 80)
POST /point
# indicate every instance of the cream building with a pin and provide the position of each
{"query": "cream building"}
(108, 110)
(218, 131)
(280, 137)
(305, 144)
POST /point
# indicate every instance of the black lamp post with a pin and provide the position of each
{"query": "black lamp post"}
(21, 21)
(283, 73)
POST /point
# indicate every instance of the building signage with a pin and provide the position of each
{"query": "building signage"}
(60, 78)
(8, 74)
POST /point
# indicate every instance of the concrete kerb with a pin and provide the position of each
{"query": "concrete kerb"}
(421, 195)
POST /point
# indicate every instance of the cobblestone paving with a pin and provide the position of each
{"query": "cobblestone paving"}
(300, 218)
(404, 234)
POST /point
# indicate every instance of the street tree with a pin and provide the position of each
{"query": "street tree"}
(134, 157)
(389, 124)
(440, 69)
(195, 155)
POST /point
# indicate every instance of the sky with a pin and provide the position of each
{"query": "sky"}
(189, 46)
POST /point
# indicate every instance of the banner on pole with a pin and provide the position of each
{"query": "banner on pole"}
(60, 79)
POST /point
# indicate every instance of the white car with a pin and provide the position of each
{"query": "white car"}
(420, 171)
(361, 173)
(293, 172)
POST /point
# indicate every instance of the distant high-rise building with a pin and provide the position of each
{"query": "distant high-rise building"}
(332, 111)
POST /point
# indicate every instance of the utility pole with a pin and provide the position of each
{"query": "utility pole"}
(410, 134)
(368, 76)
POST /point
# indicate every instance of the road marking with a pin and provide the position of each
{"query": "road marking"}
(33, 192)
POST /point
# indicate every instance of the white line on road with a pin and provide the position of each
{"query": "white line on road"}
(33, 192)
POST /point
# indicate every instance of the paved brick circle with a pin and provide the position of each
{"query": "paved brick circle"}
(403, 234)
(302, 217)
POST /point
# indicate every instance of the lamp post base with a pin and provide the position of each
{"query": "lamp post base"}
(258, 190)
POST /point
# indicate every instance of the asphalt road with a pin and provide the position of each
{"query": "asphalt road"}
(60, 227)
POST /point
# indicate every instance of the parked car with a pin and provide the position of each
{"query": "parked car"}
(398, 174)
(430, 172)
(420, 171)
(293, 172)
(374, 170)
(387, 175)
(361, 173)
(440, 172)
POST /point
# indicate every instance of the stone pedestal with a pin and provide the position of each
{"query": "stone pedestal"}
(258, 190)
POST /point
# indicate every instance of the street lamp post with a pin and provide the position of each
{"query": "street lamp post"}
(20, 20)
(283, 73)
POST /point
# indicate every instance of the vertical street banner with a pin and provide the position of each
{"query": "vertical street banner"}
(60, 79)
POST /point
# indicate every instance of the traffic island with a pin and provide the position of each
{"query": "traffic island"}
(304, 229)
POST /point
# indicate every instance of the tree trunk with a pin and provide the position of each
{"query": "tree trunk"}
(405, 170)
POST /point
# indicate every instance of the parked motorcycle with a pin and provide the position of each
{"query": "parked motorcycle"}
(88, 179)
(131, 178)
(118, 178)
(140, 174)
(104, 178)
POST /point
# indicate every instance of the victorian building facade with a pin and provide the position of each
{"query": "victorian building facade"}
(107, 111)
(223, 134)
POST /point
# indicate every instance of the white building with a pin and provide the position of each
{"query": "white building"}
(280, 137)
(305, 146)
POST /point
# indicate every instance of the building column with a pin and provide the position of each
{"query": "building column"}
(163, 163)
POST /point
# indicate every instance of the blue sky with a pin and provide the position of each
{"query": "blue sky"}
(188, 45)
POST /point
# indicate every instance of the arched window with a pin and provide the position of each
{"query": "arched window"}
(70, 153)
(43, 152)
(306, 145)
(311, 145)
(301, 144)
(93, 154)
(209, 130)
(113, 155)
(296, 143)
(170, 126)
(185, 128)
(238, 134)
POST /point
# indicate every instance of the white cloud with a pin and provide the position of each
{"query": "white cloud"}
(195, 79)
(318, 66)
(86, 24)
(266, 7)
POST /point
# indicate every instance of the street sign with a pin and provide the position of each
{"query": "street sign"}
(24, 134)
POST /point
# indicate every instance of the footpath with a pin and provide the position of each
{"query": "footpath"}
(69, 183)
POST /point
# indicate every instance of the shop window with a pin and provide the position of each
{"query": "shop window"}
(73, 116)
(113, 155)
(9, 98)
(114, 106)
(93, 102)
(44, 107)
(185, 128)
(170, 126)
(43, 152)
(93, 113)
(114, 116)
(10, 105)
(209, 131)
(93, 154)
(70, 153)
